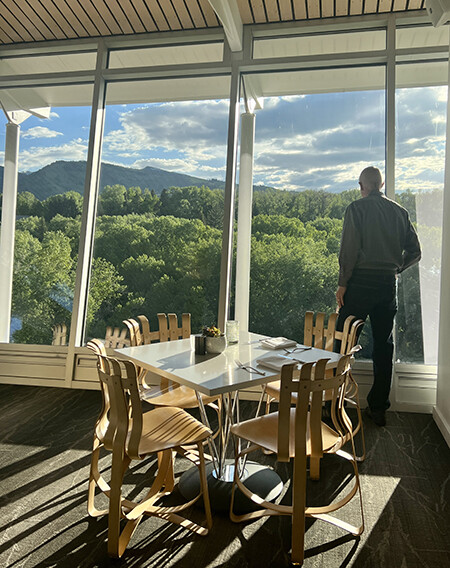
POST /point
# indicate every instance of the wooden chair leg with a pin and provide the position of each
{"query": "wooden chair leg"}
(360, 457)
(298, 511)
(95, 479)
(269, 400)
(92, 510)
(115, 504)
(353, 399)
(169, 480)
(314, 468)
(204, 486)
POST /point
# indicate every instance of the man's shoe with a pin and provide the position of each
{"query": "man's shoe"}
(378, 416)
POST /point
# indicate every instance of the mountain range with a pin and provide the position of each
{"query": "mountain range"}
(62, 176)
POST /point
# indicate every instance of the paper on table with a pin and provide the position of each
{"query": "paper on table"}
(275, 362)
(278, 342)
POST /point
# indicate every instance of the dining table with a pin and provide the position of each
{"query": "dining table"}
(224, 374)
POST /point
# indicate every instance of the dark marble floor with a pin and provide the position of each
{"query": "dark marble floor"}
(44, 461)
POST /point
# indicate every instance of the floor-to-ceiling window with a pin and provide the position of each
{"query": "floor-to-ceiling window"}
(54, 126)
(158, 238)
(161, 202)
(52, 163)
(420, 158)
(310, 145)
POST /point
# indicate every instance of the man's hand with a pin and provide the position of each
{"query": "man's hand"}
(340, 293)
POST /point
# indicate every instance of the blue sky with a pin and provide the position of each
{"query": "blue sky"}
(304, 142)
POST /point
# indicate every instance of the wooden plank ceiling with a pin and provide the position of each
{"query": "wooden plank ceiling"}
(40, 20)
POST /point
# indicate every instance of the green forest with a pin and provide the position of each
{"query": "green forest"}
(162, 254)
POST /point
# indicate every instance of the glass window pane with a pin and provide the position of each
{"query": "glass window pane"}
(420, 156)
(188, 88)
(421, 36)
(319, 43)
(166, 55)
(309, 151)
(52, 166)
(160, 212)
(315, 81)
(47, 96)
(426, 74)
(55, 63)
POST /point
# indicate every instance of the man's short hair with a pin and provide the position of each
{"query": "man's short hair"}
(371, 179)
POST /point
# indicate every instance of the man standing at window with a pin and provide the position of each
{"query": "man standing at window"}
(378, 242)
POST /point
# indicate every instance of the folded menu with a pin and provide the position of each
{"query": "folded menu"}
(275, 362)
(278, 342)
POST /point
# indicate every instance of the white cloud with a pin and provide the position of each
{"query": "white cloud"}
(40, 132)
(306, 142)
(173, 126)
(178, 165)
(37, 157)
(188, 137)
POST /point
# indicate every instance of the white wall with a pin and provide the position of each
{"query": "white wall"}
(442, 410)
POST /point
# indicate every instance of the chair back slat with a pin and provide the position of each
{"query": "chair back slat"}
(302, 388)
(355, 330)
(314, 329)
(308, 329)
(185, 326)
(124, 428)
(319, 330)
(113, 401)
(173, 327)
(130, 383)
(349, 334)
(317, 334)
(342, 336)
(147, 336)
(116, 338)
(315, 412)
(284, 412)
(330, 332)
(309, 384)
(168, 330)
(59, 334)
(101, 425)
(134, 332)
(163, 327)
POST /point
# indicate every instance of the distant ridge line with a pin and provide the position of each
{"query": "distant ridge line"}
(62, 176)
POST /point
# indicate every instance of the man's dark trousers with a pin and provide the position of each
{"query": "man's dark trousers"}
(374, 294)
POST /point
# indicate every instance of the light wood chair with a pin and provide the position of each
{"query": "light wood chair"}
(59, 334)
(167, 393)
(116, 338)
(323, 334)
(130, 434)
(298, 433)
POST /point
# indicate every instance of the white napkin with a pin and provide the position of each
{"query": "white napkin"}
(278, 342)
(275, 362)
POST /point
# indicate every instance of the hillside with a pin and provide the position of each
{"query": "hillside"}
(62, 176)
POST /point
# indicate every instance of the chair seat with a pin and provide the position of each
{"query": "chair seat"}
(263, 431)
(165, 428)
(180, 396)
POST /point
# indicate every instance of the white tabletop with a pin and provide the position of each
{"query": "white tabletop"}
(213, 374)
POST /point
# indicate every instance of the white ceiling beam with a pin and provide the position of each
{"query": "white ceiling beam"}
(42, 112)
(10, 104)
(16, 116)
(252, 93)
(228, 13)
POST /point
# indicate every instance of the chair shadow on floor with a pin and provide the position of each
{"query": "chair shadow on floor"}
(407, 519)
